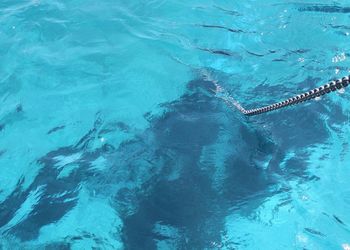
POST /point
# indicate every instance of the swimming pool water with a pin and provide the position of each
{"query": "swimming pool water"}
(114, 133)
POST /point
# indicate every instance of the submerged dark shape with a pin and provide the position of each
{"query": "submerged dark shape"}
(325, 8)
(191, 203)
(55, 129)
(338, 220)
(57, 198)
(227, 11)
(14, 115)
(215, 51)
(222, 27)
(187, 196)
(58, 192)
(314, 232)
(176, 182)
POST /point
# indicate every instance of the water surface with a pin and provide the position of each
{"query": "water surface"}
(115, 131)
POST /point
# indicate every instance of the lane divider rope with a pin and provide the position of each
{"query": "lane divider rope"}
(312, 94)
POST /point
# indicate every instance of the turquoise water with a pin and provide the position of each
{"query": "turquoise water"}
(114, 134)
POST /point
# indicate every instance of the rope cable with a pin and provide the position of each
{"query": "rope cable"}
(312, 94)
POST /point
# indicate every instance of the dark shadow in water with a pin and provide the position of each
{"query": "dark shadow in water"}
(325, 8)
(190, 203)
(57, 199)
(221, 27)
(58, 194)
(204, 162)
